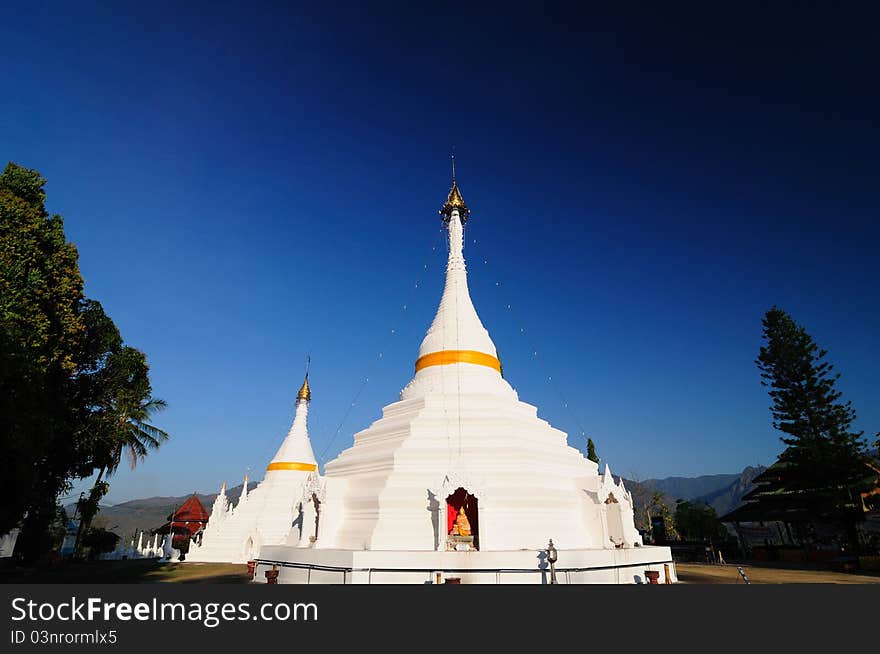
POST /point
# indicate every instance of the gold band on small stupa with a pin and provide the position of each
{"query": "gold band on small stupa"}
(289, 465)
(447, 357)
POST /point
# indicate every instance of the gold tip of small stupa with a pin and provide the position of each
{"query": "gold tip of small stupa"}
(305, 392)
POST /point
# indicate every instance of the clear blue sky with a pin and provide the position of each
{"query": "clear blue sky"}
(248, 183)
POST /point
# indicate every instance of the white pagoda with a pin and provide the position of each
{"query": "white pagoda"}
(265, 515)
(459, 478)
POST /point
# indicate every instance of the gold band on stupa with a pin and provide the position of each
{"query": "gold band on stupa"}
(289, 465)
(447, 357)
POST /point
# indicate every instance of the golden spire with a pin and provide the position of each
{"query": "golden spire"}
(454, 199)
(305, 392)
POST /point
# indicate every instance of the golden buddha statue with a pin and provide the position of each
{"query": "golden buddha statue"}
(462, 525)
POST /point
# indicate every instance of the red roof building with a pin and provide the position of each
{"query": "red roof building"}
(189, 518)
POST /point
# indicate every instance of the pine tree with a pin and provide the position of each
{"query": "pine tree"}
(817, 476)
(591, 451)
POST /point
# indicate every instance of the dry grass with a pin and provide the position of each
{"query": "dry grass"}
(701, 573)
(128, 572)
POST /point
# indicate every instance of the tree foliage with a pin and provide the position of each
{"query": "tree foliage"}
(69, 387)
(658, 508)
(41, 329)
(89, 505)
(698, 521)
(591, 451)
(818, 475)
(100, 541)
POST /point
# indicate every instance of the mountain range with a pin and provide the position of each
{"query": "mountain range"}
(722, 492)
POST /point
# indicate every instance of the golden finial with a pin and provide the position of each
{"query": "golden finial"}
(454, 199)
(305, 392)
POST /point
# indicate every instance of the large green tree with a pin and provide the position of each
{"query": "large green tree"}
(59, 404)
(818, 475)
(41, 329)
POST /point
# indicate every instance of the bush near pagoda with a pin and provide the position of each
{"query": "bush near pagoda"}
(697, 521)
(60, 409)
(819, 475)
(658, 509)
(591, 451)
(100, 541)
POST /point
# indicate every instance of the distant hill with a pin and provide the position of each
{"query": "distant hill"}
(150, 512)
(722, 492)
(727, 499)
(690, 488)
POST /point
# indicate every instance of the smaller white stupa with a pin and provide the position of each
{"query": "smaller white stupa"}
(168, 552)
(266, 514)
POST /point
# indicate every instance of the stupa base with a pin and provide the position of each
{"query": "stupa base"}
(591, 566)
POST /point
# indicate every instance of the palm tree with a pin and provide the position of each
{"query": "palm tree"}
(132, 435)
(136, 437)
(127, 410)
(121, 421)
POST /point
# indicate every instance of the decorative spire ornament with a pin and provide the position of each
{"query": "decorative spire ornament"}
(454, 200)
(244, 489)
(305, 392)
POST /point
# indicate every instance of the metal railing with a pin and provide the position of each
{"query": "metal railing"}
(346, 570)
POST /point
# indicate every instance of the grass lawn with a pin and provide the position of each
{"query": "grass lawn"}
(128, 572)
(702, 573)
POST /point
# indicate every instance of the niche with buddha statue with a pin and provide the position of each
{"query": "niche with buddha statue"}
(462, 521)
